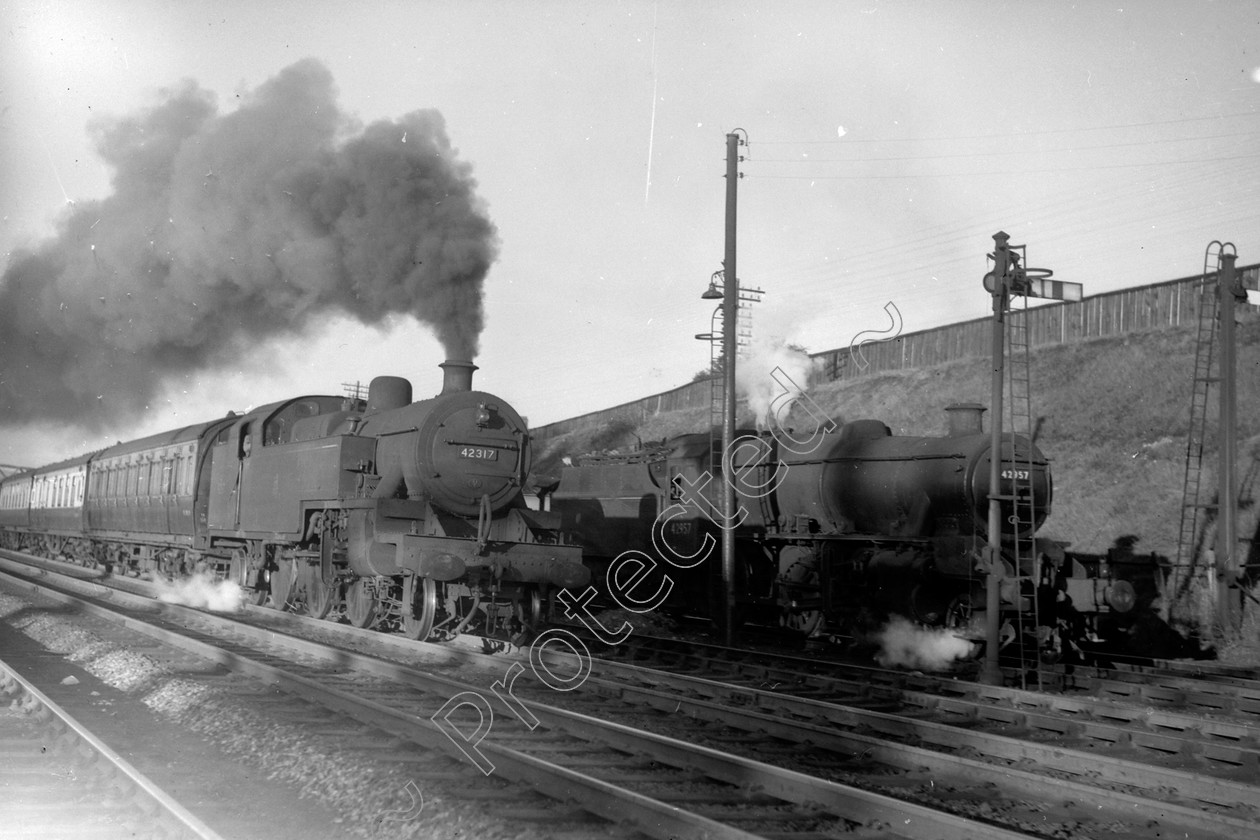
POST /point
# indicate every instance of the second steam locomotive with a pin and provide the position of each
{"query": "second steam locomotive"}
(839, 531)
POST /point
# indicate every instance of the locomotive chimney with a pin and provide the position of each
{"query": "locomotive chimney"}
(965, 419)
(456, 375)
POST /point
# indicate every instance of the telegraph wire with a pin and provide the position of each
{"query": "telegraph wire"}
(848, 139)
(992, 172)
(1010, 153)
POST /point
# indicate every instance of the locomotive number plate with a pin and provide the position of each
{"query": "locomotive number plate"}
(479, 453)
(1018, 475)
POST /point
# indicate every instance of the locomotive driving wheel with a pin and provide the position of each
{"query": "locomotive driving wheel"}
(529, 611)
(360, 603)
(247, 572)
(419, 606)
(320, 596)
(283, 581)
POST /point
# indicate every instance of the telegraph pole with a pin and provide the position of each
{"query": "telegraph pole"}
(730, 303)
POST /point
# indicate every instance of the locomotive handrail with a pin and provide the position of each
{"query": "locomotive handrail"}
(398, 432)
(865, 459)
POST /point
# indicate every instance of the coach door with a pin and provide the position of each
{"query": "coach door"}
(229, 468)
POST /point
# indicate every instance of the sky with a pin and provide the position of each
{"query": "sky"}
(565, 201)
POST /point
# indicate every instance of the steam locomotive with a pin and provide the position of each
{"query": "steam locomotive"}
(409, 514)
(837, 532)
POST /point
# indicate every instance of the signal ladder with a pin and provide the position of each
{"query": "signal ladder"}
(1023, 496)
(717, 391)
(1206, 374)
(745, 297)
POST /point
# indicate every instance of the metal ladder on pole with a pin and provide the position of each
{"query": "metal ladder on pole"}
(1189, 534)
(717, 394)
(1024, 503)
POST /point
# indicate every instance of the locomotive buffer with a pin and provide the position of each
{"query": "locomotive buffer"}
(1007, 279)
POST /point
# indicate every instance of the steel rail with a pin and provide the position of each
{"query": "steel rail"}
(1235, 742)
(164, 808)
(1193, 784)
(799, 719)
(904, 819)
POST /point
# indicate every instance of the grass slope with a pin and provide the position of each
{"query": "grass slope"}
(1114, 415)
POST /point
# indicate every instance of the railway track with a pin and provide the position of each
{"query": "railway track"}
(59, 780)
(662, 786)
(723, 755)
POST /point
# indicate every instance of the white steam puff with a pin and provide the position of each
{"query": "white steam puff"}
(227, 229)
(903, 643)
(755, 381)
(203, 592)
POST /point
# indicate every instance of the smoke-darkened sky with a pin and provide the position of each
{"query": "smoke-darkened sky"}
(222, 231)
(207, 206)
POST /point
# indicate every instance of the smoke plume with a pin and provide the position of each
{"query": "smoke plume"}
(755, 377)
(910, 646)
(225, 229)
(201, 591)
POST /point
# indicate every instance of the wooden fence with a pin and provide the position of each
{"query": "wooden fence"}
(1166, 304)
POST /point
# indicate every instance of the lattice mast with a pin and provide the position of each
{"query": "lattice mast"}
(1219, 288)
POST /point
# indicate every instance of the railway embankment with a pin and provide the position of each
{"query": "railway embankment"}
(1111, 413)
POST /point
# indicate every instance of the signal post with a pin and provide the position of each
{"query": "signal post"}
(1007, 278)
